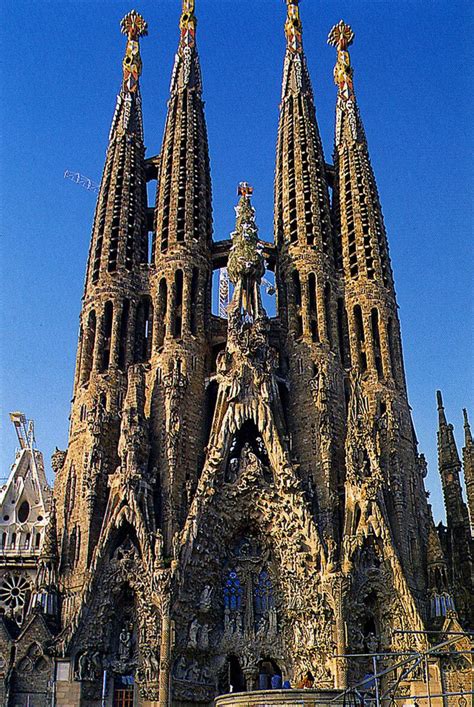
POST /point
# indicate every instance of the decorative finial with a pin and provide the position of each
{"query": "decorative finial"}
(244, 189)
(293, 27)
(341, 36)
(134, 26)
(187, 25)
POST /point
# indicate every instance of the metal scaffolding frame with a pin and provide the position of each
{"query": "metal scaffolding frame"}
(409, 660)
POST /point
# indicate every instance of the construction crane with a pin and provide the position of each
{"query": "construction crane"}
(224, 291)
(25, 430)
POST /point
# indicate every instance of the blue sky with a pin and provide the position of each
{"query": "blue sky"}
(61, 72)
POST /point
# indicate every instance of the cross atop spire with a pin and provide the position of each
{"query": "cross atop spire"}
(293, 27)
(187, 25)
(341, 36)
(134, 26)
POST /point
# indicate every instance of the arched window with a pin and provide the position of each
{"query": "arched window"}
(123, 334)
(161, 311)
(194, 297)
(88, 355)
(106, 335)
(178, 304)
(343, 334)
(313, 307)
(360, 338)
(296, 287)
(374, 321)
(143, 330)
(327, 312)
(391, 348)
(232, 591)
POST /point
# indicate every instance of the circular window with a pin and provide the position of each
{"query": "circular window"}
(24, 512)
(6, 517)
(40, 518)
(13, 591)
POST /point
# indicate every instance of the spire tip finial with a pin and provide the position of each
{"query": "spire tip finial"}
(133, 26)
(244, 189)
(341, 36)
(439, 399)
(293, 27)
(187, 24)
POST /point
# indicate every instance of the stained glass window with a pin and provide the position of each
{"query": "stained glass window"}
(232, 591)
(263, 593)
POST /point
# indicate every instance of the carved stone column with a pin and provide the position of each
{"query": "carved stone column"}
(164, 682)
(338, 586)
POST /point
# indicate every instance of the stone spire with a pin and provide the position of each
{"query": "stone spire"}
(306, 278)
(357, 206)
(457, 518)
(183, 204)
(119, 232)
(302, 213)
(450, 469)
(181, 280)
(468, 465)
(113, 322)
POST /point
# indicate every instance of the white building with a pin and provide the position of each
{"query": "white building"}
(24, 509)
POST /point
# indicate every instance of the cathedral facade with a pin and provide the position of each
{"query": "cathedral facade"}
(242, 495)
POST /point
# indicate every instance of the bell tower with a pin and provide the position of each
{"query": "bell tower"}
(112, 326)
(180, 284)
(307, 285)
(370, 310)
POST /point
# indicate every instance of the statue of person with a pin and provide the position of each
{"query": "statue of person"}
(204, 637)
(205, 600)
(176, 545)
(158, 545)
(181, 668)
(83, 667)
(193, 633)
(125, 642)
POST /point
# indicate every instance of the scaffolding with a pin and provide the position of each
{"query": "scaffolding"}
(383, 687)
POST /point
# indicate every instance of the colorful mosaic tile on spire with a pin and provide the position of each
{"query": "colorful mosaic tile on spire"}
(134, 26)
(293, 27)
(187, 25)
(341, 36)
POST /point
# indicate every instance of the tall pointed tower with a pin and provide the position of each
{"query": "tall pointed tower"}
(372, 321)
(307, 285)
(112, 327)
(458, 542)
(180, 284)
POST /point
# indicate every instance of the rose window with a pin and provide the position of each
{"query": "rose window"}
(13, 591)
